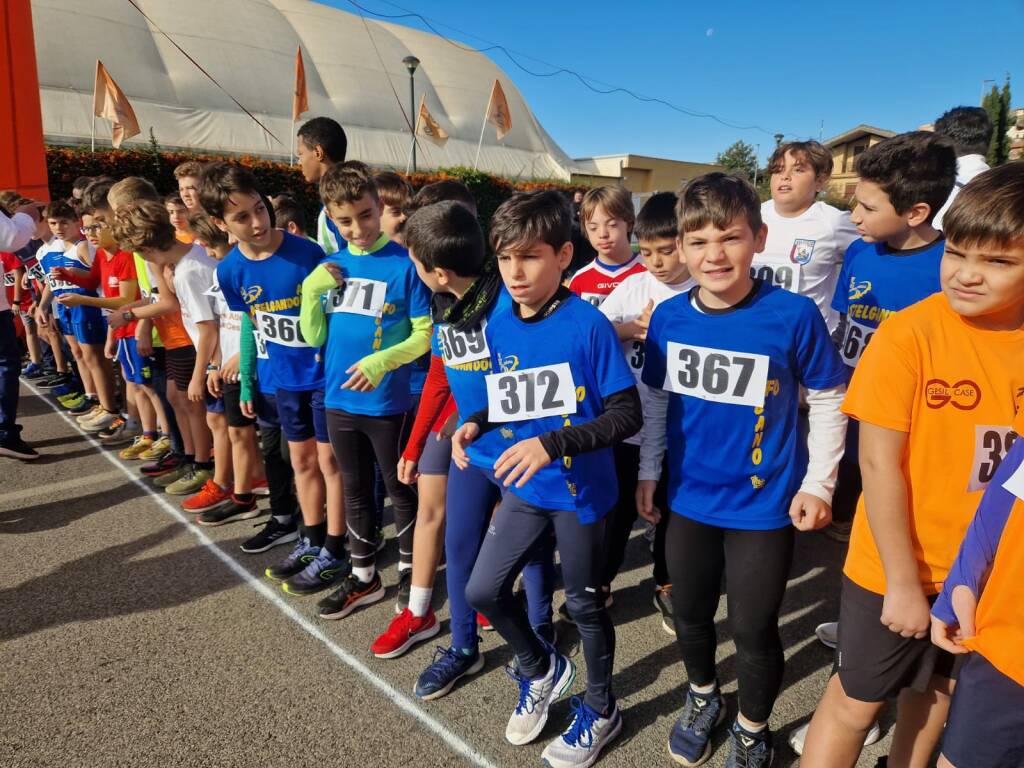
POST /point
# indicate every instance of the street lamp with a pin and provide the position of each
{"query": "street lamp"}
(411, 62)
(981, 99)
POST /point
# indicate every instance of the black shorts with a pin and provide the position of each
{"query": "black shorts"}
(232, 398)
(873, 662)
(985, 725)
(181, 363)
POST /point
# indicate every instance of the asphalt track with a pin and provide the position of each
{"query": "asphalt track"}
(129, 637)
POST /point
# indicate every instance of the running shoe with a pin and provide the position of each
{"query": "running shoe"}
(302, 554)
(190, 481)
(273, 533)
(16, 448)
(324, 572)
(663, 602)
(33, 371)
(230, 512)
(100, 422)
(352, 594)
(536, 697)
(73, 401)
(581, 743)
(84, 414)
(160, 448)
(689, 743)
(260, 487)
(66, 390)
(403, 633)
(448, 667)
(80, 405)
(52, 382)
(166, 464)
(119, 433)
(139, 445)
(483, 623)
(210, 496)
(828, 634)
(799, 736)
(749, 750)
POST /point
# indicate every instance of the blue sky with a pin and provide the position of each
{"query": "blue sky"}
(784, 66)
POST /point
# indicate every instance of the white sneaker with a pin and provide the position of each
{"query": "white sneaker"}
(799, 736)
(99, 422)
(581, 743)
(828, 633)
(536, 697)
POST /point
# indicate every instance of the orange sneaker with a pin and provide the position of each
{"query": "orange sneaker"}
(210, 496)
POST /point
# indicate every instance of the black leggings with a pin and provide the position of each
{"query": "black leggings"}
(756, 566)
(358, 440)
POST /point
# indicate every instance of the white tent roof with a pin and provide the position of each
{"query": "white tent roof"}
(249, 47)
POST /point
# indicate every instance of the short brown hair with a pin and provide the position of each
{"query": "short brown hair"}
(531, 217)
(11, 201)
(717, 198)
(143, 224)
(206, 231)
(131, 189)
(436, 191)
(347, 182)
(189, 168)
(219, 181)
(174, 199)
(392, 189)
(989, 210)
(94, 196)
(616, 202)
(60, 209)
(811, 152)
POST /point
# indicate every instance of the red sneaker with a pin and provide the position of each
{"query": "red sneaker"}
(260, 487)
(483, 623)
(403, 633)
(210, 496)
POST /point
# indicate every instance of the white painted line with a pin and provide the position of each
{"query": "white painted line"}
(400, 700)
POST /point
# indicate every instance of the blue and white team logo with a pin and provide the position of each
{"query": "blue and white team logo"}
(802, 251)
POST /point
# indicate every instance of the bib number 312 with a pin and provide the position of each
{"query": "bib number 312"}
(531, 393)
(718, 375)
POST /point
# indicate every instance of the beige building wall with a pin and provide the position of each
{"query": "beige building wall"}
(640, 174)
(846, 148)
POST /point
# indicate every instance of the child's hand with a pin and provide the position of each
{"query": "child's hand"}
(357, 382)
(645, 501)
(247, 407)
(115, 319)
(229, 371)
(197, 389)
(41, 319)
(643, 321)
(110, 350)
(70, 299)
(144, 344)
(463, 436)
(214, 383)
(950, 637)
(521, 462)
(335, 271)
(906, 612)
(809, 513)
(407, 471)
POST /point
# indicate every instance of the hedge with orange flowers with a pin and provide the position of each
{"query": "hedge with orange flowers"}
(64, 165)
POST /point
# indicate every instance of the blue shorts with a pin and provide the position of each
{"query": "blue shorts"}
(91, 331)
(266, 410)
(985, 725)
(134, 367)
(436, 457)
(213, 404)
(302, 415)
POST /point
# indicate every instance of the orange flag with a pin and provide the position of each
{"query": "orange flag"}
(498, 113)
(300, 99)
(110, 103)
(428, 126)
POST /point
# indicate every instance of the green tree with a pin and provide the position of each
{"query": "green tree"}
(739, 158)
(997, 104)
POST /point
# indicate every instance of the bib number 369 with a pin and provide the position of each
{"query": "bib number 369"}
(531, 393)
(718, 375)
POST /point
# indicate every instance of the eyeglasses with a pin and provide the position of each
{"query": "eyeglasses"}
(92, 229)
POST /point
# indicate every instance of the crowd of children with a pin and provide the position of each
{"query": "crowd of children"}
(743, 370)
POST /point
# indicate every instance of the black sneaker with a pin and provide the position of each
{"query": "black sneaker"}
(230, 512)
(404, 585)
(57, 380)
(17, 448)
(663, 602)
(749, 750)
(302, 554)
(166, 463)
(350, 596)
(273, 533)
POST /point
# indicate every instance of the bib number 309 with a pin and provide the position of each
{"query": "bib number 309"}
(531, 393)
(718, 375)
(280, 329)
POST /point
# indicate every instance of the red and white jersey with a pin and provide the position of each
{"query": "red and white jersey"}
(595, 281)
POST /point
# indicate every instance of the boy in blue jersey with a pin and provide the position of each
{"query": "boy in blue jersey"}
(726, 362)
(560, 397)
(371, 313)
(262, 278)
(321, 144)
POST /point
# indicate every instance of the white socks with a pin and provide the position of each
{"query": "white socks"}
(419, 600)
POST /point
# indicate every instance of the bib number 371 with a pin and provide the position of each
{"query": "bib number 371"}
(531, 393)
(358, 296)
(718, 375)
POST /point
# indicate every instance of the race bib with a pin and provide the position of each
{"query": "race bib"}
(280, 329)
(9, 279)
(58, 285)
(531, 393)
(718, 375)
(36, 272)
(459, 347)
(261, 345)
(634, 355)
(855, 341)
(781, 275)
(596, 299)
(358, 297)
(991, 444)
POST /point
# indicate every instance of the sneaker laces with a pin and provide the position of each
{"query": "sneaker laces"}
(446, 660)
(527, 701)
(399, 626)
(747, 755)
(580, 733)
(696, 718)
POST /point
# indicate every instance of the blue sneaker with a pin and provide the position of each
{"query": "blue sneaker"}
(581, 743)
(448, 667)
(321, 573)
(689, 743)
(536, 697)
(302, 554)
(749, 750)
(63, 389)
(33, 371)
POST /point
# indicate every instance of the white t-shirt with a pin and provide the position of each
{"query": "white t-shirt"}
(803, 254)
(967, 167)
(193, 276)
(625, 303)
(230, 323)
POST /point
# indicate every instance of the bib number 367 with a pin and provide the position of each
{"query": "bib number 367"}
(531, 393)
(718, 375)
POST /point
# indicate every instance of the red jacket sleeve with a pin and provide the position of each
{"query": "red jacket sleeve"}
(436, 393)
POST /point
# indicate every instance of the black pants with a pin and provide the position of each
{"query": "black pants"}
(10, 369)
(280, 476)
(620, 520)
(756, 567)
(516, 531)
(358, 440)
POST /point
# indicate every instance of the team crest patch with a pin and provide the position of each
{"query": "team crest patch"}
(802, 251)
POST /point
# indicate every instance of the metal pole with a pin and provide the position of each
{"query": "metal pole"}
(412, 112)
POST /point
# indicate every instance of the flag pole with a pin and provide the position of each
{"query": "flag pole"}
(94, 105)
(482, 127)
(293, 141)
(408, 158)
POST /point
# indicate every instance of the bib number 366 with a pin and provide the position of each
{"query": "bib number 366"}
(718, 375)
(531, 393)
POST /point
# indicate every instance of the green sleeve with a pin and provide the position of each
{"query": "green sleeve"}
(311, 314)
(247, 359)
(375, 365)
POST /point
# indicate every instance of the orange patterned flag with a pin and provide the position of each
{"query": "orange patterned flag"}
(428, 126)
(498, 113)
(300, 99)
(110, 103)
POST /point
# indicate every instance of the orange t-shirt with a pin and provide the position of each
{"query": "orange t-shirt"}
(954, 389)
